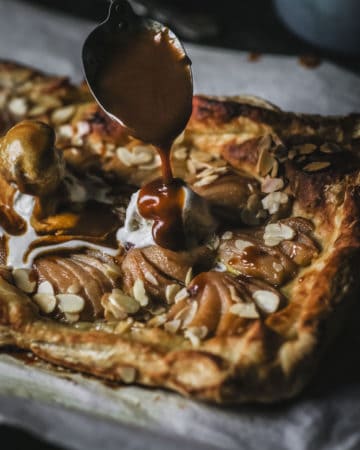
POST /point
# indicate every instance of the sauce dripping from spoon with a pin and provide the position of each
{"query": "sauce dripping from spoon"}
(141, 76)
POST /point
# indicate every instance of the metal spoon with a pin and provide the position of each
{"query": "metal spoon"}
(121, 23)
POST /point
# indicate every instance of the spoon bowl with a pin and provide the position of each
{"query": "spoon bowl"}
(139, 92)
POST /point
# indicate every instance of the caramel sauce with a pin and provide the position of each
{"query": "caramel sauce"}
(163, 203)
(145, 82)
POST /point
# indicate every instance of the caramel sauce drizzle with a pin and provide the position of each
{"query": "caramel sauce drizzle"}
(146, 83)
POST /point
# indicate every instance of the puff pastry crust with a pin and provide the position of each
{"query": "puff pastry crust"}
(264, 356)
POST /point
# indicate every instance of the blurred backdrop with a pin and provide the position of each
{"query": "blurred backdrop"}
(316, 27)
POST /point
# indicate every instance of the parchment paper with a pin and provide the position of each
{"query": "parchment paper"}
(79, 412)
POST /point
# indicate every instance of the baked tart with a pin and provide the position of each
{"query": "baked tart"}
(246, 312)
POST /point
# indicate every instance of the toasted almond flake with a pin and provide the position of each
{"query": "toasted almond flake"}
(18, 106)
(211, 171)
(241, 245)
(62, 115)
(206, 180)
(189, 276)
(277, 267)
(267, 301)
(70, 303)
(82, 128)
(306, 149)
(127, 374)
(330, 147)
(142, 155)
(172, 326)
(273, 201)
(45, 287)
(65, 131)
(245, 310)
(71, 317)
(157, 321)
(181, 153)
(265, 160)
(170, 292)
(74, 288)
(316, 165)
(124, 325)
(227, 235)
(155, 164)
(37, 110)
(233, 294)
(271, 185)
(113, 271)
(274, 233)
(187, 314)
(125, 156)
(196, 334)
(181, 295)
(151, 278)
(127, 303)
(201, 156)
(46, 302)
(22, 279)
(140, 293)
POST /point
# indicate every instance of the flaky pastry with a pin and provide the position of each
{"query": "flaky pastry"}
(246, 316)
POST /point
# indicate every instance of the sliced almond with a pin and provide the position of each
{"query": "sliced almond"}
(267, 301)
(316, 165)
(151, 278)
(65, 131)
(180, 153)
(273, 201)
(46, 302)
(156, 163)
(245, 310)
(70, 303)
(206, 180)
(45, 287)
(227, 235)
(196, 334)
(271, 185)
(18, 106)
(74, 288)
(37, 110)
(62, 115)
(125, 156)
(127, 374)
(241, 245)
(189, 276)
(306, 149)
(233, 294)
(330, 147)
(113, 271)
(173, 326)
(23, 280)
(265, 160)
(277, 232)
(72, 317)
(181, 295)
(142, 155)
(140, 293)
(128, 304)
(187, 314)
(200, 156)
(170, 292)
